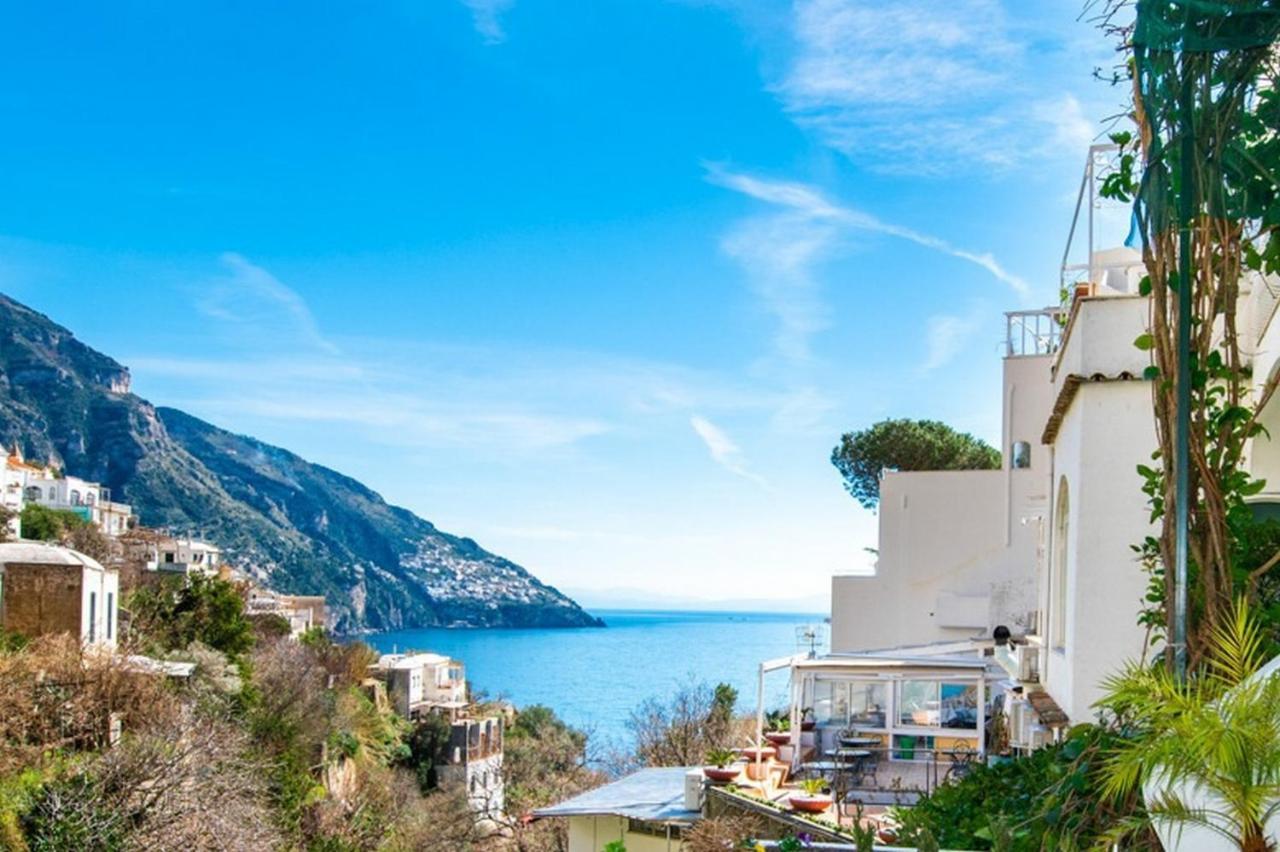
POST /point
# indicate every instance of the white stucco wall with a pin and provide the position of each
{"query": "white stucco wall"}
(1100, 337)
(957, 549)
(1107, 431)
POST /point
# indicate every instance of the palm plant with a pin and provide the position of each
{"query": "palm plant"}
(1213, 737)
(720, 757)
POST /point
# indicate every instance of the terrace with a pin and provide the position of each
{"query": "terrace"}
(876, 730)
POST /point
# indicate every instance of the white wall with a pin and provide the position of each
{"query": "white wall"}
(957, 548)
(99, 597)
(1106, 433)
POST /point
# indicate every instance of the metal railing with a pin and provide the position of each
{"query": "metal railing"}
(1032, 333)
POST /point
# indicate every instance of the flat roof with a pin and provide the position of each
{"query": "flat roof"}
(411, 661)
(653, 795)
(44, 553)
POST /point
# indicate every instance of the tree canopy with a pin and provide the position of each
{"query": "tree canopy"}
(863, 456)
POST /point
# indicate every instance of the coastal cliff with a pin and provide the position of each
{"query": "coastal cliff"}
(299, 527)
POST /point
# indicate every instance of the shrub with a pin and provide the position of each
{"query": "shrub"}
(201, 609)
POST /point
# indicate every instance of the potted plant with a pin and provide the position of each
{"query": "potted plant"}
(720, 766)
(781, 733)
(807, 722)
(814, 799)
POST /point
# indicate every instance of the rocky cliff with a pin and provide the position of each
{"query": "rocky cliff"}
(299, 526)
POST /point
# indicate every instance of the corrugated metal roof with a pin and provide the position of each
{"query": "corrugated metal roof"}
(654, 795)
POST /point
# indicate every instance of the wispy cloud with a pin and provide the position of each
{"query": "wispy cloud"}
(947, 335)
(724, 451)
(486, 15)
(917, 86)
(248, 295)
(812, 206)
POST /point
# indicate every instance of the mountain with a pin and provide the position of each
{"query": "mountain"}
(298, 526)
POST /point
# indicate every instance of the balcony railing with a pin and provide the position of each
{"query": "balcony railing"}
(1032, 333)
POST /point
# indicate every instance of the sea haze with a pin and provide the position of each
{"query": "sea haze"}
(593, 678)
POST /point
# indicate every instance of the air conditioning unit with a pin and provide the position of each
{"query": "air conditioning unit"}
(694, 783)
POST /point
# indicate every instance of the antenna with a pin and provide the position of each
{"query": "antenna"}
(810, 637)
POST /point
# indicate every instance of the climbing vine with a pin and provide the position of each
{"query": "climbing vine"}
(1201, 74)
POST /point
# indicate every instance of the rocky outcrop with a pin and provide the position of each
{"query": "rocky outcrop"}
(301, 527)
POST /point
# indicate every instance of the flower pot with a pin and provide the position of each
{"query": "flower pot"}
(808, 726)
(778, 738)
(810, 804)
(722, 774)
(763, 753)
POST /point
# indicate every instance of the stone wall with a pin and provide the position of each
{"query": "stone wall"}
(40, 599)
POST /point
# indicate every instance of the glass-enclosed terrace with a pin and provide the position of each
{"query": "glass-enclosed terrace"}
(893, 722)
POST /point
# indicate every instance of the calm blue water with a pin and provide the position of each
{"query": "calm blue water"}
(594, 677)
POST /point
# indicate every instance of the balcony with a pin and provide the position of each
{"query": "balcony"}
(1029, 334)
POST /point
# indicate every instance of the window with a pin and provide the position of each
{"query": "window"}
(75, 497)
(938, 704)
(32, 493)
(168, 556)
(111, 611)
(93, 616)
(1020, 455)
(867, 704)
(831, 702)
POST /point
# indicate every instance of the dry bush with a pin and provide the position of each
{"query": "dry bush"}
(680, 730)
(53, 695)
(721, 833)
(185, 783)
(293, 698)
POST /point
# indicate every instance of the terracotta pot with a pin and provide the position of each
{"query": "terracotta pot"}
(778, 738)
(810, 804)
(808, 726)
(765, 753)
(758, 771)
(722, 774)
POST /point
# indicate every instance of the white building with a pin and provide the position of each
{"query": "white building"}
(474, 762)
(45, 486)
(303, 612)
(420, 682)
(184, 556)
(49, 589)
(957, 548)
(648, 811)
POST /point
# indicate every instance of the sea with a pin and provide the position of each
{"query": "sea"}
(595, 677)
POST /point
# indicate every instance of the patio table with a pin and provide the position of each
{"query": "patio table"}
(858, 742)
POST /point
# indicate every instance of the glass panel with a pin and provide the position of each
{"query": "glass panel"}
(959, 705)
(867, 702)
(918, 703)
(822, 701)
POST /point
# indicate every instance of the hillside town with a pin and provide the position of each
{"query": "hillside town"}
(1065, 636)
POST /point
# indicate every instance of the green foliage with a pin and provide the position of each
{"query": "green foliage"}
(720, 757)
(74, 814)
(428, 744)
(1045, 800)
(863, 457)
(615, 846)
(193, 609)
(1214, 731)
(41, 523)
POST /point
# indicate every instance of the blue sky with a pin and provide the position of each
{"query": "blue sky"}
(597, 283)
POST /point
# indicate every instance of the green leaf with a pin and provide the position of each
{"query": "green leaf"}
(1145, 342)
(1151, 373)
(1144, 286)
